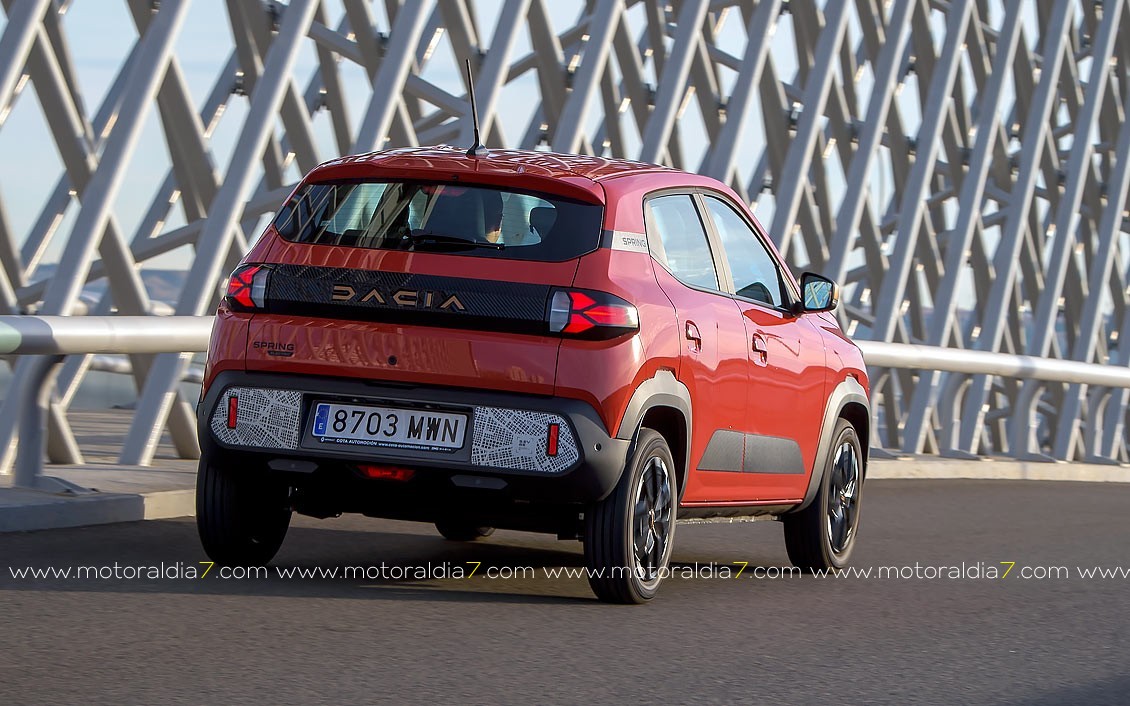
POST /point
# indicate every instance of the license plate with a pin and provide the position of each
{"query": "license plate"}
(366, 425)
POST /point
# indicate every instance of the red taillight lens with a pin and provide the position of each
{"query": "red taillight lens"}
(591, 314)
(386, 472)
(247, 287)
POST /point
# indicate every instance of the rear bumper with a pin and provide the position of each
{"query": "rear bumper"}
(504, 456)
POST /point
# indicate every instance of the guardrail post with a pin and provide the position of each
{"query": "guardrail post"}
(33, 396)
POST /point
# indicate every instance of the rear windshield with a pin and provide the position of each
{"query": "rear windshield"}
(469, 220)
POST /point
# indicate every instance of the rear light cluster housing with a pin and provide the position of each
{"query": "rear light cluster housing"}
(247, 288)
(592, 315)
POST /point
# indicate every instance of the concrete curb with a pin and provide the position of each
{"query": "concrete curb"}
(30, 510)
(917, 467)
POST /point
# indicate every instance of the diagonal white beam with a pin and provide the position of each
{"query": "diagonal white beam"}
(1036, 129)
(888, 309)
(145, 77)
(723, 153)
(403, 38)
(1066, 224)
(215, 238)
(882, 94)
(496, 65)
(605, 19)
(791, 181)
(673, 85)
(972, 193)
(19, 34)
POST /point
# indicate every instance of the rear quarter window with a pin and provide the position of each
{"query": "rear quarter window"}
(476, 220)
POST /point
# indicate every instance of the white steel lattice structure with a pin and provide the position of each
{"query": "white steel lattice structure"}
(962, 167)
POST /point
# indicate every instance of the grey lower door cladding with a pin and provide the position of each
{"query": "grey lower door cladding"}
(737, 452)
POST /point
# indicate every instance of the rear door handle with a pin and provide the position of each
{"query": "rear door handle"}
(694, 336)
(760, 350)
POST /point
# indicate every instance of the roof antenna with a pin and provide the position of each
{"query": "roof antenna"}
(478, 146)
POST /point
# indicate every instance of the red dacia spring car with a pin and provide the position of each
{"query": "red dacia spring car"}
(587, 347)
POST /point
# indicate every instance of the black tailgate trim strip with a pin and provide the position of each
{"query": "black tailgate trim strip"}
(407, 298)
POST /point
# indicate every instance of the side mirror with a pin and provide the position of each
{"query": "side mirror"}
(820, 293)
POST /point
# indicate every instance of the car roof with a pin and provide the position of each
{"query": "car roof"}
(544, 164)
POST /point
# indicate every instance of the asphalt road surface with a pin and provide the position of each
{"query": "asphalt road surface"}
(706, 639)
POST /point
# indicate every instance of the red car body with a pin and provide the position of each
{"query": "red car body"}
(746, 395)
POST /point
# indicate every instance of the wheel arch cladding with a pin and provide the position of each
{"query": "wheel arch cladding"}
(848, 401)
(664, 404)
(672, 426)
(859, 416)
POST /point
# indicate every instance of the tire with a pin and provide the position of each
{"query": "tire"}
(241, 515)
(458, 531)
(821, 537)
(627, 552)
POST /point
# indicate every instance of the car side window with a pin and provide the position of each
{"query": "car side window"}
(681, 245)
(753, 267)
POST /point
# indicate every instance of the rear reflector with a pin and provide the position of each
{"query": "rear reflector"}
(233, 411)
(386, 472)
(551, 439)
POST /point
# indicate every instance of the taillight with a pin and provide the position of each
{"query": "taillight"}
(587, 314)
(247, 288)
(386, 472)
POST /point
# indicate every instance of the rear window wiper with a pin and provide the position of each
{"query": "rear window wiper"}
(451, 241)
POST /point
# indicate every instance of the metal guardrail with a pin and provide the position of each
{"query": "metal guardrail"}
(49, 339)
(909, 356)
(72, 335)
